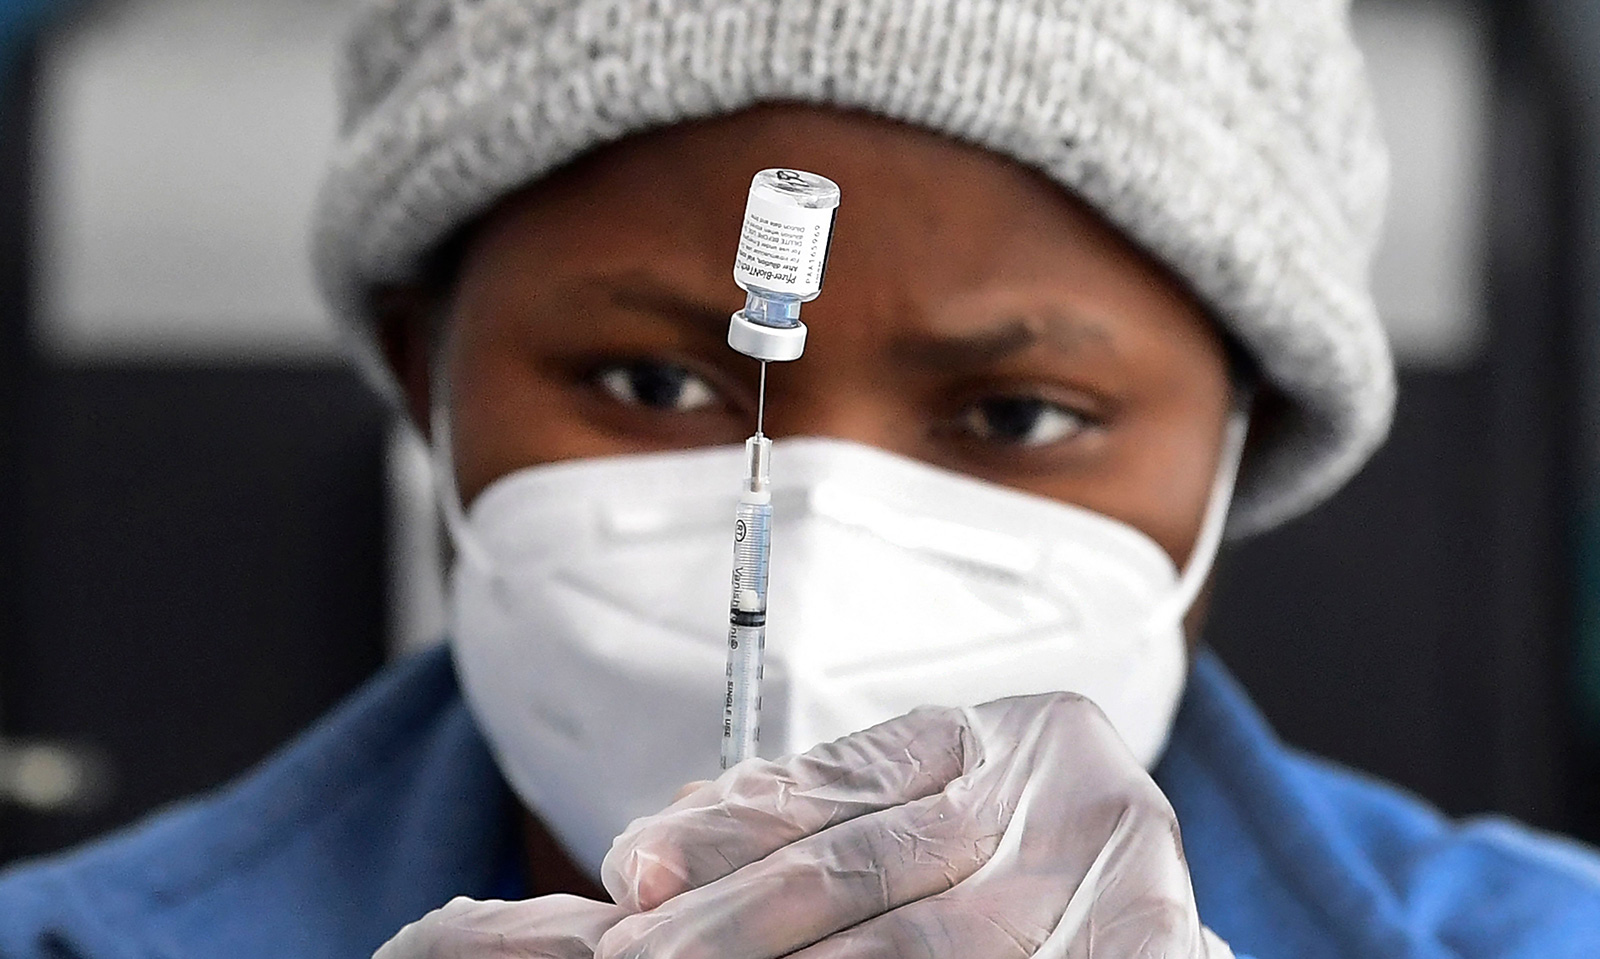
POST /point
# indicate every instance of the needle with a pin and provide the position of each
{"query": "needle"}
(761, 399)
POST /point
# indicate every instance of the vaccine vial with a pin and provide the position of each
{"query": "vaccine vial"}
(783, 255)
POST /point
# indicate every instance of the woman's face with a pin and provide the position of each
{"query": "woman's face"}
(974, 317)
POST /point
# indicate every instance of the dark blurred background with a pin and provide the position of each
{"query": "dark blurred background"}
(210, 531)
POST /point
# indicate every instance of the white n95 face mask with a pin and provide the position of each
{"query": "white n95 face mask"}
(590, 613)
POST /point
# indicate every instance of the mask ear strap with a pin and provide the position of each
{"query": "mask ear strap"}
(1204, 555)
(442, 455)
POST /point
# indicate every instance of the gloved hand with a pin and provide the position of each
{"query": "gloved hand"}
(551, 927)
(1019, 828)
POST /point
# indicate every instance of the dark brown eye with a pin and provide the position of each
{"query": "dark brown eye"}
(1021, 421)
(656, 385)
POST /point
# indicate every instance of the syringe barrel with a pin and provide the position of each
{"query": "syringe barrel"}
(747, 628)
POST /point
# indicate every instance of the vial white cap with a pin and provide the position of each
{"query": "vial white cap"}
(771, 343)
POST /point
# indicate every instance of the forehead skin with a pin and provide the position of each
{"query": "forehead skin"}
(946, 260)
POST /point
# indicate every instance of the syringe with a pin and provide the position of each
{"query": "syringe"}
(747, 614)
(783, 254)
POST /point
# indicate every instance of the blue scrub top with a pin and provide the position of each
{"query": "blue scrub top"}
(392, 806)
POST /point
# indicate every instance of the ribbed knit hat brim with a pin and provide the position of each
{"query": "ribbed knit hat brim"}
(1234, 139)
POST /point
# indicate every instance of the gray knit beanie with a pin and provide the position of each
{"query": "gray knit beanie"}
(1234, 139)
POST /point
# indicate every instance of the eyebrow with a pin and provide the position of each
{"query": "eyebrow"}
(1013, 335)
(648, 295)
(956, 352)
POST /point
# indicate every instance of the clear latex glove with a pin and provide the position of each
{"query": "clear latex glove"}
(1019, 828)
(551, 927)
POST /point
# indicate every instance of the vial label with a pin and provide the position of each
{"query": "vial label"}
(783, 248)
